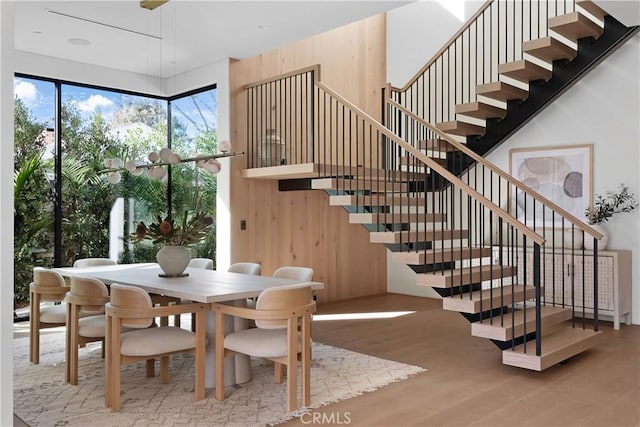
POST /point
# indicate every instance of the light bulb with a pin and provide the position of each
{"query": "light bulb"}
(130, 165)
(116, 163)
(107, 163)
(212, 166)
(154, 156)
(174, 159)
(149, 173)
(224, 146)
(165, 154)
(159, 172)
(114, 177)
(136, 171)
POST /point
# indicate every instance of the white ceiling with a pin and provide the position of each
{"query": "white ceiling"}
(180, 35)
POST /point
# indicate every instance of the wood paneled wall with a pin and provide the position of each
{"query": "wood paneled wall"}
(299, 227)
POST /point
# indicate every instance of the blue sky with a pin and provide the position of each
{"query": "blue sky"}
(39, 97)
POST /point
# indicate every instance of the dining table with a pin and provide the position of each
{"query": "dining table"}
(199, 285)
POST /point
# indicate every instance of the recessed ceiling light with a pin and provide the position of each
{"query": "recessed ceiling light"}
(79, 42)
(37, 32)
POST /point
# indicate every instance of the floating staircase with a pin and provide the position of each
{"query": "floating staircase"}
(412, 196)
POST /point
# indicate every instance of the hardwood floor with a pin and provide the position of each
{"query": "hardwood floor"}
(466, 383)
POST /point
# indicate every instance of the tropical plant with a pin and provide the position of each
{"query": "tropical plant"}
(619, 201)
(187, 230)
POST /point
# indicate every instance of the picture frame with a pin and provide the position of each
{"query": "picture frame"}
(562, 174)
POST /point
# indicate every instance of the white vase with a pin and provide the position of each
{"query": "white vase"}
(602, 243)
(173, 260)
(573, 239)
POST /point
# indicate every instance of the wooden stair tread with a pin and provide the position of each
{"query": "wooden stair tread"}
(480, 110)
(392, 218)
(431, 256)
(394, 237)
(524, 71)
(549, 49)
(373, 185)
(456, 127)
(575, 26)
(592, 8)
(436, 144)
(501, 91)
(513, 324)
(464, 276)
(412, 161)
(376, 200)
(556, 347)
(478, 301)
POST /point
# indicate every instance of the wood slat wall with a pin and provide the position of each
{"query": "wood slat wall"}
(299, 227)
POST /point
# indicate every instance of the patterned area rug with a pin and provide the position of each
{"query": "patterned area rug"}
(42, 398)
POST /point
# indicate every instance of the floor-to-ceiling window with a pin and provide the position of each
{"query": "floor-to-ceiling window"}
(34, 180)
(68, 208)
(193, 132)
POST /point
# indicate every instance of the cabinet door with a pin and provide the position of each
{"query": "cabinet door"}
(555, 275)
(583, 271)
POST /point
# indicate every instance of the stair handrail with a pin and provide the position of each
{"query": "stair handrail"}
(444, 47)
(523, 187)
(315, 68)
(506, 216)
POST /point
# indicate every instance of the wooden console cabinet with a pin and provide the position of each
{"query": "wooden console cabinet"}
(561, 269)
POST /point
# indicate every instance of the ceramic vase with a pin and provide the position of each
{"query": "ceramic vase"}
(573, 239)
(602, 243)
(173, 260)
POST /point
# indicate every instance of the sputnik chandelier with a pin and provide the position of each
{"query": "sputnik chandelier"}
(165, 157)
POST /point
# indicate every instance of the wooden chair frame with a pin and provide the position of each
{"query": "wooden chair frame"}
(75, 303)
(298, 319)
(114, 359)
(39, 293)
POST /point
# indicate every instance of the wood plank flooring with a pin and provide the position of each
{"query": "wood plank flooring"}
(466, 383)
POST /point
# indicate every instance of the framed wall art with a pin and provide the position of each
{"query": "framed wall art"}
(562, 174)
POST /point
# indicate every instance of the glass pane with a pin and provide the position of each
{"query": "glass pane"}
(193, 132)
(34, 181)
(99, 216)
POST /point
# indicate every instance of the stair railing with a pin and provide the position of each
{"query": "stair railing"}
(408, 200)
(492, 36)
(563, 232)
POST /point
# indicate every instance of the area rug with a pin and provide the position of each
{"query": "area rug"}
(42, 398)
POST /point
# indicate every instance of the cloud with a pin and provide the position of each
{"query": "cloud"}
(93, 102)
(26, 91)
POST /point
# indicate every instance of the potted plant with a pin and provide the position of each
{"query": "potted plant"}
(174, 256)
(603, 208)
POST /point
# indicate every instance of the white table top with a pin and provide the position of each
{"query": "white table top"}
(200, 285)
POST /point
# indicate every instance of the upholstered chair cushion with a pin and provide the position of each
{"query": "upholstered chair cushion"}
(153, 341)
(54, 314)
(260, 343)
(92, 326)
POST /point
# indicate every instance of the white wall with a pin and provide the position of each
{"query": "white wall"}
(415, 32)
(6, 220)
(602, 109)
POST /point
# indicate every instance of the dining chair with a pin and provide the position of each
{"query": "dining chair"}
(90, 262)
(47, 286)
(86, 296)
(283, 320)
(245, 268)
(304, 274)
(206, 263)
(132, 307)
